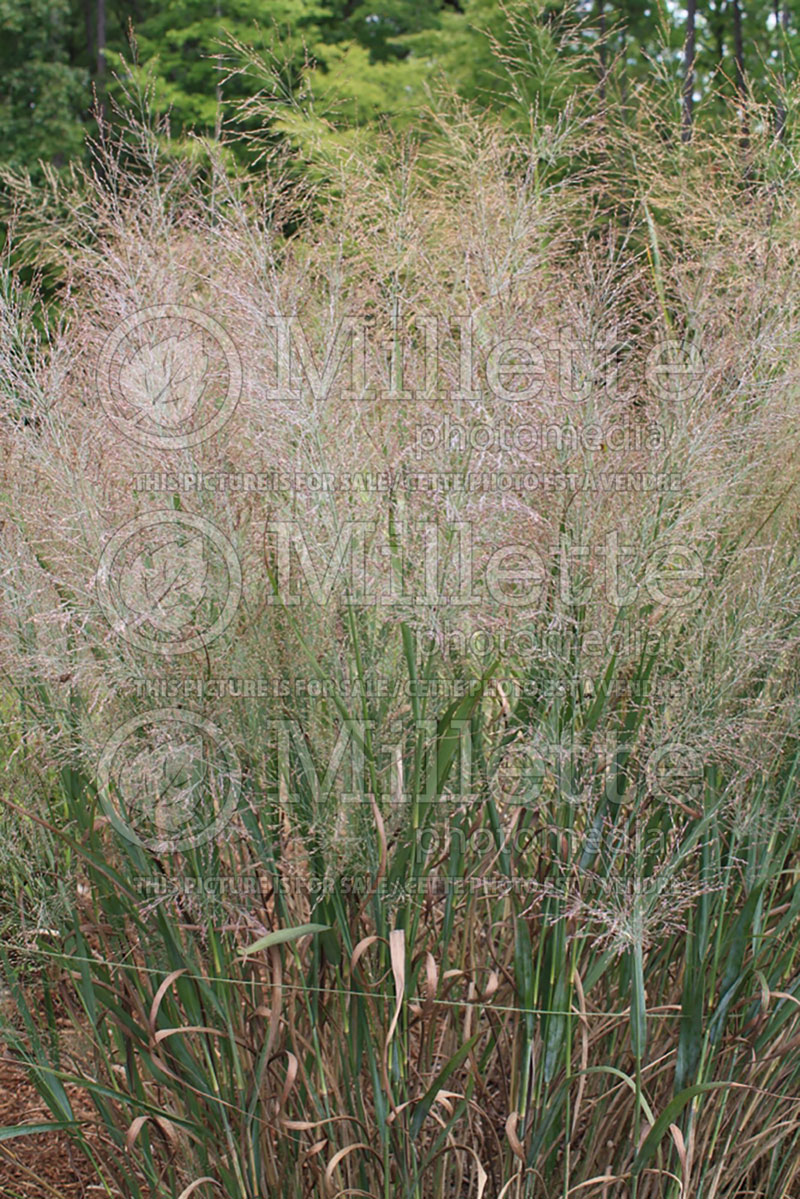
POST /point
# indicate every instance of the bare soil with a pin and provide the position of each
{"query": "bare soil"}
(45, 1165)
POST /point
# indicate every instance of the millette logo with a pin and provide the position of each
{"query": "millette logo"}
(169, 377)
(169, 780)
(169, 582)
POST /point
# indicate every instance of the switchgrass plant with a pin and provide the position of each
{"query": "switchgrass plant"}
(476, 871)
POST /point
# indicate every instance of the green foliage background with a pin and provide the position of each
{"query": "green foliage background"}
(323, 73)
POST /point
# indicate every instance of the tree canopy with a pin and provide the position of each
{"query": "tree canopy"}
(332, 69)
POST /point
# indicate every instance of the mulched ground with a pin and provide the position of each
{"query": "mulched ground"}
(44, 1166)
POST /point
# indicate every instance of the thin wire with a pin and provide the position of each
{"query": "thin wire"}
(391, 998)
(253, 1117)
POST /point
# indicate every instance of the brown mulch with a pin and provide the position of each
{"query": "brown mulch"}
(44, 1165)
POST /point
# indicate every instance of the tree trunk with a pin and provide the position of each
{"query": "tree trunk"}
(100, 62)
(87, 15)
(101, 39)
(738, 55)
(218, 86)
(738, 47)
(688, 72)
(782, 29)
(601, 25)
